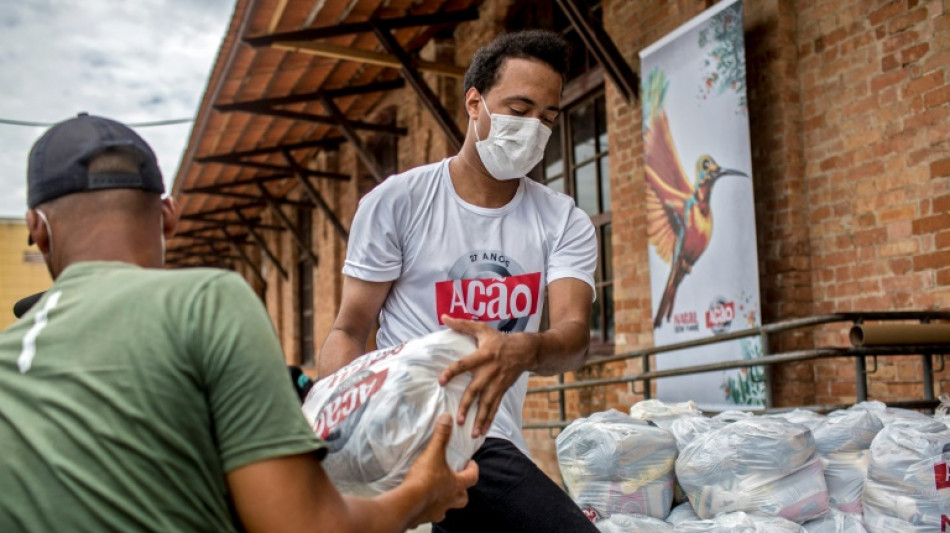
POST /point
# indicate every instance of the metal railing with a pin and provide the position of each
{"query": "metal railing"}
(860, 355)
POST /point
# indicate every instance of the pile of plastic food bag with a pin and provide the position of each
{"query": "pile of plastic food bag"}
(377, 413)
(663, 414)
(843, 439)
(908, 484)
(686, 429)
(739, 522)
(620, 523)
(766, 466)
(836, 522)
(613, 464)
(888, 415)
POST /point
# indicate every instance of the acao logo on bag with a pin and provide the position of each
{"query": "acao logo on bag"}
(344, 409)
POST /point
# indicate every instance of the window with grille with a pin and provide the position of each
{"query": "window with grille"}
(577, 160)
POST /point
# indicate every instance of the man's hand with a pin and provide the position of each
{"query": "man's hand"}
(495, 366)
(444, 488)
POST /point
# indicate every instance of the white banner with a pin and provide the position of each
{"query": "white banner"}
(700, 209)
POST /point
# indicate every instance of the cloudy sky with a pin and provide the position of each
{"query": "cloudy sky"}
(131, 60)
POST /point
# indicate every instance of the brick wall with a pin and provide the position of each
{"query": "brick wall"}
(848, 108)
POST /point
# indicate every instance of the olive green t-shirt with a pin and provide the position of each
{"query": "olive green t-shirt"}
(127, 394)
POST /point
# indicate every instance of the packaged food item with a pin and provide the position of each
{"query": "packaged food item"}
(377, 413)
(766, 466)
(621, 523)
(836, 522)
(663, 414)
(613, 464)
(739, 522)
(908, 483)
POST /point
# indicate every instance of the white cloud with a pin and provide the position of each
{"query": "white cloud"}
(135, 61)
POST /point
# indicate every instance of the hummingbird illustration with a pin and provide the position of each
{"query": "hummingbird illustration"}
(679, 216)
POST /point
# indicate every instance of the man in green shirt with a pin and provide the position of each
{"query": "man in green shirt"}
(134, 398)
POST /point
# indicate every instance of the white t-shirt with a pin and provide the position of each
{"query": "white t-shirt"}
(447, 256)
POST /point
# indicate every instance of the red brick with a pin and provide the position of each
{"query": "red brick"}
(889, 10)
(932, 261)
(932, 223)
(943, 277)
(907, 20)
(937, 97)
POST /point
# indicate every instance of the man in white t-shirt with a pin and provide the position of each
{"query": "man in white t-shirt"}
(469, 243)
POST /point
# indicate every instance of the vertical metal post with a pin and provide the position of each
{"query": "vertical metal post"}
(767, 371)
(860, 375)
(927, 368)
(561, 408)
(647, 393)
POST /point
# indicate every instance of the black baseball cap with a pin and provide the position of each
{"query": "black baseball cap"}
(60, 158)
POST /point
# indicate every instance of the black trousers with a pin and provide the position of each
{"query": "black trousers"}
(513, 495)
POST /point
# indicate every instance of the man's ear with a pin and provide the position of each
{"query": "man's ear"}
(38, 233)
(473, 102)
(169, 216)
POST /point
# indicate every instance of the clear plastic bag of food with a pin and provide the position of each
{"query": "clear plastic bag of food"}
(377, 413)
(612, 463)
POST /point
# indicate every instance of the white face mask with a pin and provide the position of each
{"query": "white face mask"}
(514, 145)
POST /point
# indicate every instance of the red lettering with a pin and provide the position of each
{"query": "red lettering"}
(941, 479)
(345, 403)
(720, 314)
(944, 522)
(488, 299)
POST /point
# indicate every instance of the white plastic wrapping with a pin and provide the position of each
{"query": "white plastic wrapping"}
(739, 522)
(682, 513)
(377, 413)
(766, 466)
(908, 485)
(613, 464)
(888, 415)
(843, 439)
(836, 522)
(620, 523)
(663, 414)
(809, 419)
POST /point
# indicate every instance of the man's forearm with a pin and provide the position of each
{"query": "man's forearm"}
(339, 349)
(561, 349)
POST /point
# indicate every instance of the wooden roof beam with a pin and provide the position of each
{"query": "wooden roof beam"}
(335, 30)
(382, 86)
(319, 143)
(238, 183)
(245, 196)
(201, 214)
(367, 56)
(323, 119)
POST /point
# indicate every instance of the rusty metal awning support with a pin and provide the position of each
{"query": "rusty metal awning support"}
(408, 70)
(285, 220)
(349, 133)
(238, 249)
(261, 243)
(396, 57)
(316, 197)
(603, 48)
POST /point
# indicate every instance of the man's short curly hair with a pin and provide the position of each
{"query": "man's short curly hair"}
(541, 45)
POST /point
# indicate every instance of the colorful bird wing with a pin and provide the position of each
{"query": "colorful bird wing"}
(667, 191)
